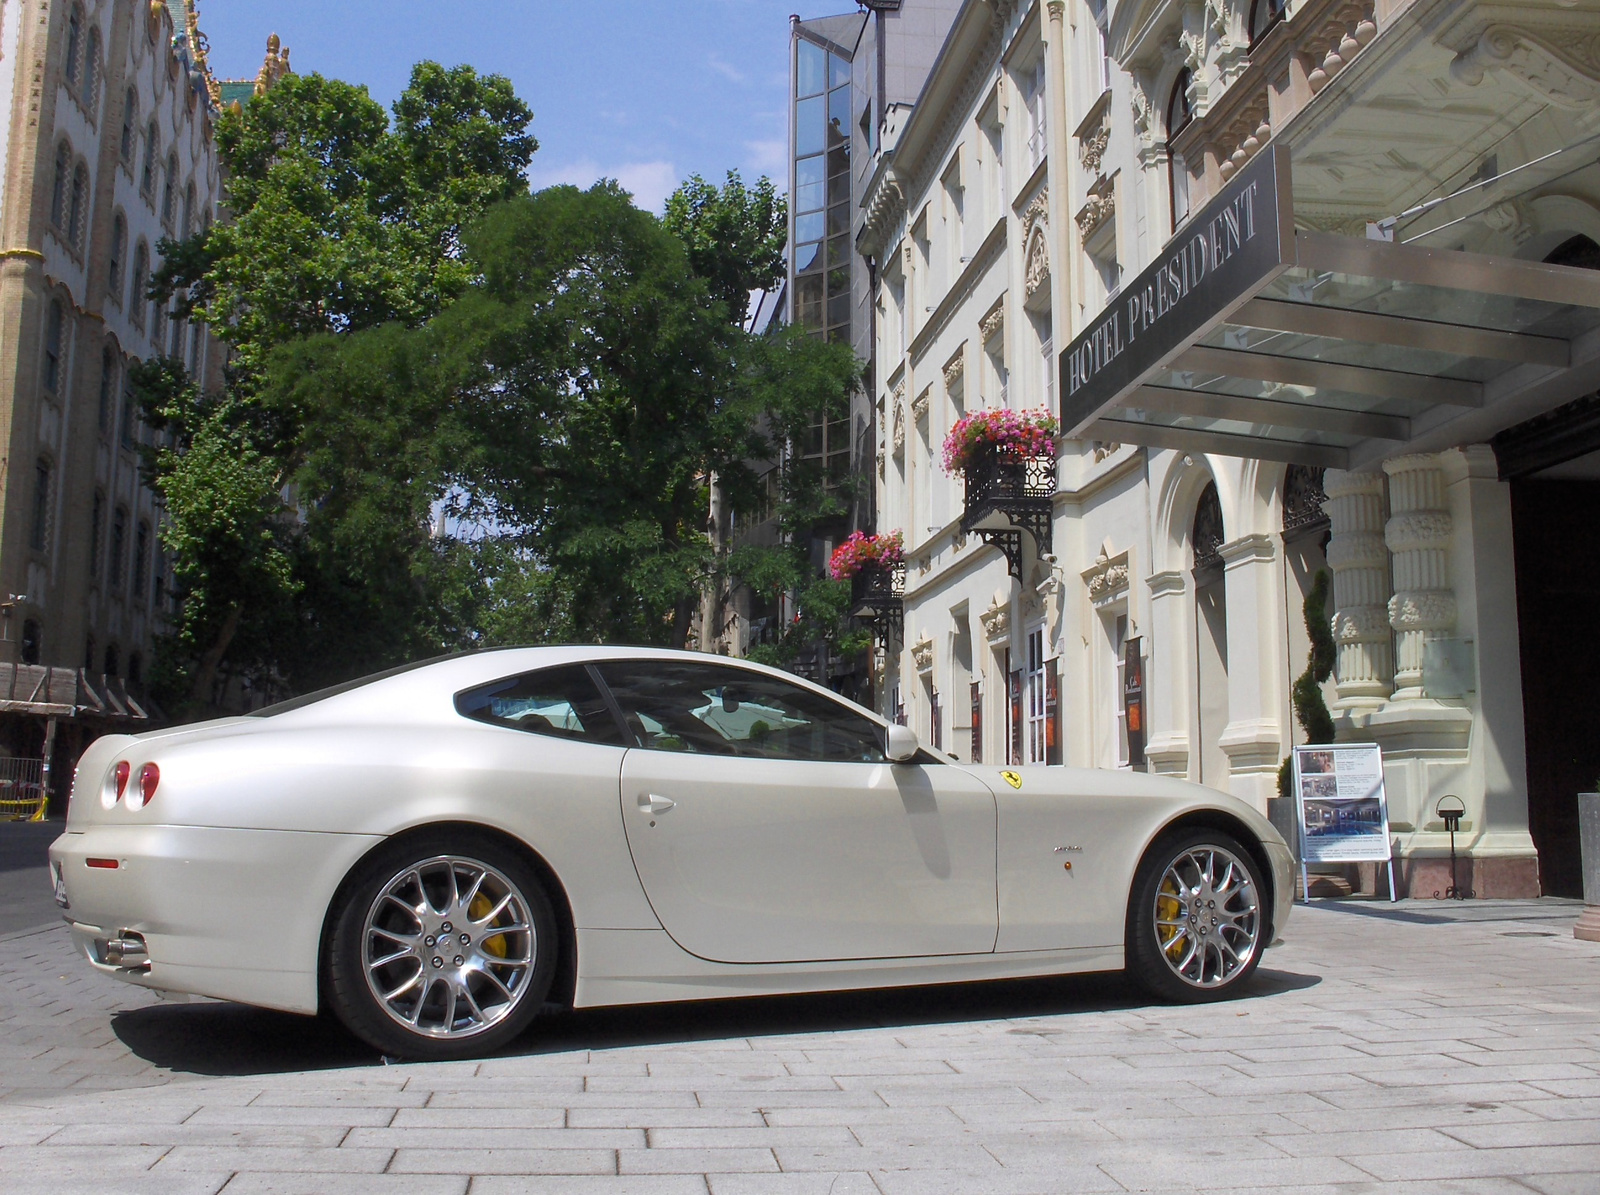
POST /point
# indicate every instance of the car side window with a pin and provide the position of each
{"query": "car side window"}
(719, 710)
(562, 702)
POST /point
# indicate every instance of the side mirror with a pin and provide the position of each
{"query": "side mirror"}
(900, 744)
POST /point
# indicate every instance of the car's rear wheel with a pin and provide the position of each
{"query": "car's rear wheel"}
(1196, 917)
(444, 947)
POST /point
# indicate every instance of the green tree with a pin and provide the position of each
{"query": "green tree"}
(1310, 709)
(339, 220)
(735, 236)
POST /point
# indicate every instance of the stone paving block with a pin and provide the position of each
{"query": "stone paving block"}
(1179, 1171)
(414, 1139)
(1543, 1132)
(765, 1137)
(272, 1157)
(1320, 1143)
(132, 1133)
(1561, 1184)
(1053, 1180)
(265, 1115)
(171, 1183)
(968, 1159)
(256, 1183)
(1481, 1163)
(695, 1161)
(685, 1118)
(504, 1161)
(577, 1184)
(824, 1183)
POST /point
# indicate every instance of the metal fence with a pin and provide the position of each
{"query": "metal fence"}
(22, 796)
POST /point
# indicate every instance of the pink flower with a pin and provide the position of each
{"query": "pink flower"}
(1022, 433)
(862, 550)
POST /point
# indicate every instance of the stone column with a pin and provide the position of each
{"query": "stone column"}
(1418, 534)
(1168, 678)
(1360, 564)
(1253, 740)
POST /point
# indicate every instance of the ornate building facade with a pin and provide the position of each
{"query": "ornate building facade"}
(107, 148)
(1309, 286)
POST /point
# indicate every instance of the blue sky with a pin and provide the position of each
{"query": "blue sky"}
(644, 91)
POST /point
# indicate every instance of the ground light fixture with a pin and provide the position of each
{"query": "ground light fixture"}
(1450, 808)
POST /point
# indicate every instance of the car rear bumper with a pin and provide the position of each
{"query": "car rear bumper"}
(234, 914)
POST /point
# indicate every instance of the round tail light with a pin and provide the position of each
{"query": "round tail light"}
(149, 777)
(122, 778)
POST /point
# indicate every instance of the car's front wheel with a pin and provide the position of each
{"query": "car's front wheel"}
(1196, 917)
(443, 947)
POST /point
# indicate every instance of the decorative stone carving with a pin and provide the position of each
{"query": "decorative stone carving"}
(898, 399)
(1107, 578)
(1103, 449)
(994, 322)
(1510, 219)
(922, 654)
(1100, 207)
(1349, 30)
(1036, 239)
(955, 370)
(1423, 606)
(1360, 564)
(996, 622)
(1092, 149)
(919, 405)
(1566, 77)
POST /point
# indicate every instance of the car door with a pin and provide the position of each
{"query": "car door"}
(767, 826)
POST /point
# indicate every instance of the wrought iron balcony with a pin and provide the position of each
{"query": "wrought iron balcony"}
(1022, 488)
(875, 599)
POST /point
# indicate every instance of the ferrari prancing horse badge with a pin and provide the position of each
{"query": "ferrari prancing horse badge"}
(1014, 779)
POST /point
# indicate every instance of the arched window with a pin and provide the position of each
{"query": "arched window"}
(74, 44)
(112, 661)
(152, 146)
(91, 73)
(97, 535)
(1208, 535)
(1180, 111)
(169, 192)
(58, 189)
(130, 415)
(88, 654)
(130, 113)
(158, 325)
(78, 209)
(39, 528)
(32, 645)
(1264, 14)
(140, 283)
(1578, 251)
(135, 668)
(108, 388)
(187, 228)
(119, 251)
(54, 323)
(119, 549)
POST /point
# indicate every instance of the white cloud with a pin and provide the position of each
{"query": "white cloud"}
(649, 182)
(731, 73)
(768, 157)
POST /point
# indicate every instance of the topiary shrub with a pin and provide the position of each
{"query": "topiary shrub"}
(1309, 708)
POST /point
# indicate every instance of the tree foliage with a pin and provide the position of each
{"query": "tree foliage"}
(1310, 708)
(735, 236)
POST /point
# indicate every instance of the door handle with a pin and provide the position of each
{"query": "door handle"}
(650, 803)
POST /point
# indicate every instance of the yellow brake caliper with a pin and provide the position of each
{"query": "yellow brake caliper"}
(478, 910)
(1169, 907)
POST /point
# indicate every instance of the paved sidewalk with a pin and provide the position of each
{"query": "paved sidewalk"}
(1410, 1050)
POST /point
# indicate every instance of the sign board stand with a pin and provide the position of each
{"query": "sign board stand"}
(1343, 813)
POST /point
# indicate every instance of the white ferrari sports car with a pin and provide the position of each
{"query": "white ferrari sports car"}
(437, 852)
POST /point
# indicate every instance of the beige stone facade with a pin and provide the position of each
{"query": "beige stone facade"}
(107, 148)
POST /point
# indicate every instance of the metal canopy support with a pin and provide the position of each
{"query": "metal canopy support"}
(1154, 435)
(1208, 404)
(1309, 319)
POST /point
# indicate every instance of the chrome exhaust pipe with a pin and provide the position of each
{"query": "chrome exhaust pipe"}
(126, 952)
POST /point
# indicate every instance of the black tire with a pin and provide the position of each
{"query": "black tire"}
(478, 983)
(1194, 937)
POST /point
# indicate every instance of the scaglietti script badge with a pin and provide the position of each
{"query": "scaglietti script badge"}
(1221, 258)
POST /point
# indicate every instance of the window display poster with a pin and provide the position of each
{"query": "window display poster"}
(1344, 817)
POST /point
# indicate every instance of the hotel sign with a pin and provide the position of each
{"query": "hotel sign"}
(1218, 260)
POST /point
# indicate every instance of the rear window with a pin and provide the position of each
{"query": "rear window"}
(562, 702)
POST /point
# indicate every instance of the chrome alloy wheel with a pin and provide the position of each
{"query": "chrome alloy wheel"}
(1207, 916)
(448, 946)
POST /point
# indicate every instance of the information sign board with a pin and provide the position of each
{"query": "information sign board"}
(1344, 816)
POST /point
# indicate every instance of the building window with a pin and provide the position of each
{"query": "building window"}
(158, 589)
(139, 285)
(1034, 100)
(119, 548)
(54, 321)
(97, 533)
(74, 45)
(152, 145)
(826, 447)
(1264, 14)
(1036, 737)
(1180, 111)
(112, 661)
(130, 415)
(88, 654)
(78, 210)
(39, 528)
(91, 74)
(130, 110)
(169, 190)
(1118, 633)
(31, 646)
(135, 668)
(108, 389)
(58, 188)
(821, 191)
(196, 331)
(119, 251)
(158, 324)
(141, 560)
(188, 212)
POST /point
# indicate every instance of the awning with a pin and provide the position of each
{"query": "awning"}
(1249, 337)
(70, 693)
